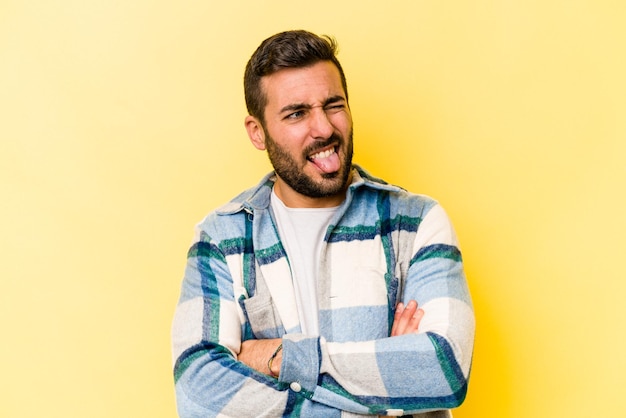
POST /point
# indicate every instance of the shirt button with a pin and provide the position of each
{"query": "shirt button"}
(295, 386)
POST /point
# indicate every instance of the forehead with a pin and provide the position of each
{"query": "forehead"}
(307, 85)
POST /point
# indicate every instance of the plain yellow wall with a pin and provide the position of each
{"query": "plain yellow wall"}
(121, 126)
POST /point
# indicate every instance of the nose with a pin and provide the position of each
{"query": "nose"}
(320, 126)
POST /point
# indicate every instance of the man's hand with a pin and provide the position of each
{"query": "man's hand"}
(256, 354)
(406, 318)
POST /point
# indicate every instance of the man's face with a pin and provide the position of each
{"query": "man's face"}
(308, 134)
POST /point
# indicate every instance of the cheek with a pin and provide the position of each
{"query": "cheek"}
(342, 122)
(289, 141)
(293, 139)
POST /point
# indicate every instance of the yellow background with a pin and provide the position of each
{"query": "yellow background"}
(121, 126)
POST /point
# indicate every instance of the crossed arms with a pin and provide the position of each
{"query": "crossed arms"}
(257, 353)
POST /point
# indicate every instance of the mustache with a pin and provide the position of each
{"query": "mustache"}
(318, 145)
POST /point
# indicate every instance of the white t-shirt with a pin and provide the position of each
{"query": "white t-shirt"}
(302, 232)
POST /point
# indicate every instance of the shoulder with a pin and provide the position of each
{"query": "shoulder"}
(399, 200)
(228, 220)
(257, 197)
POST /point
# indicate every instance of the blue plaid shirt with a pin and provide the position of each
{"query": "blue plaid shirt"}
(384, 245)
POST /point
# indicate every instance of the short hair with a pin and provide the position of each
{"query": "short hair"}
(290, 49)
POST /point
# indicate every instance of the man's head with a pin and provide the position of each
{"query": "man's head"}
(291, 49)
(298, 105)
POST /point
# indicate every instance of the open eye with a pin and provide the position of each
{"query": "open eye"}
(295, 115)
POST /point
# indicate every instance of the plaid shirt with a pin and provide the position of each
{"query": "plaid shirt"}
(384, 245)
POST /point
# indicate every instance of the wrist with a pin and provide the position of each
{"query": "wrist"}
(271, 366)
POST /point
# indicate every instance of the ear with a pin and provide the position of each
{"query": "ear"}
(255, 132)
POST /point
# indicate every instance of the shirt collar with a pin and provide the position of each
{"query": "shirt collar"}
(258, 197)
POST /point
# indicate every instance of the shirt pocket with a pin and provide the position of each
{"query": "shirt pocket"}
(263, 317)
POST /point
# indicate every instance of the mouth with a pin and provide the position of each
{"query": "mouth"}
(324, 153)
(326, 159)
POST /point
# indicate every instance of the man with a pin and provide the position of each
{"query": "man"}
(300, 296)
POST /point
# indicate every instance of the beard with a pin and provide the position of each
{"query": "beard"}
(287, 168)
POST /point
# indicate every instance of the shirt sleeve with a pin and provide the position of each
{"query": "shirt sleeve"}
(207, 332)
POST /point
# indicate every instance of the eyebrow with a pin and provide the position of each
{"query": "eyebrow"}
(299, 106)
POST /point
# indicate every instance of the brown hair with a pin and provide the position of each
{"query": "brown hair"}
(290, 49)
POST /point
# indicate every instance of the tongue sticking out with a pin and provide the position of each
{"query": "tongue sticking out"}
(328, 162)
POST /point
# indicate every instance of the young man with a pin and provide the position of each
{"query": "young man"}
(300, 297)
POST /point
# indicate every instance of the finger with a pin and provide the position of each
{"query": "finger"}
(396, 317)
(406, 316)
(401, 323)
(414, 322)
